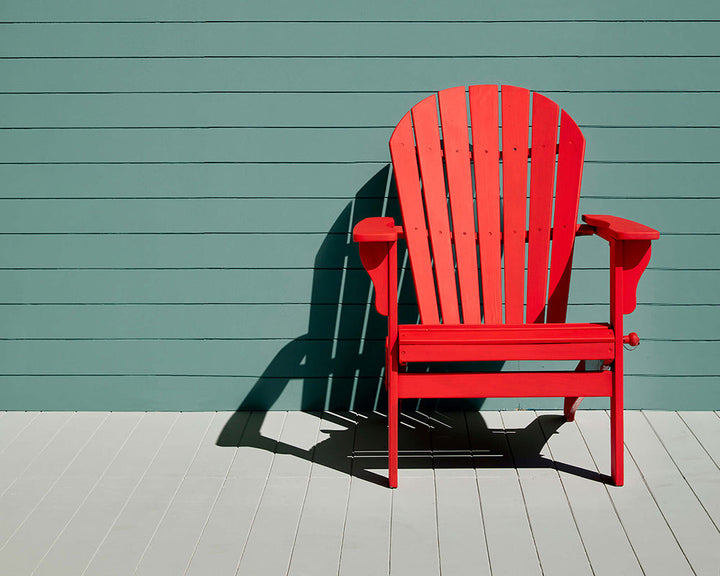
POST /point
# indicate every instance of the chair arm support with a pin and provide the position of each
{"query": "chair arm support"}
(630, 246)
(377, 238)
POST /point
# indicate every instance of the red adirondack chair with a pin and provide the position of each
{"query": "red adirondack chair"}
(467, 253)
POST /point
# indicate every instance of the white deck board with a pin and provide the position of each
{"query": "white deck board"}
(413, 535)
(646, 528)
(12, 424)
(28, 446)
(124, 546)
(699, 470)
(177, 536)
(270, 544)
(602, 533)
(304, 493)
(79, 540)
(693, 528)
(319, 538)
(32, 486)
(510, 543)
(38, 532)
(228, 526)
(705, 426)
(366, 538)
(557, 540)
(460, 527)
(459, 513)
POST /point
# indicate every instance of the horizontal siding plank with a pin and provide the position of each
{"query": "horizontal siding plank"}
(314, 326)
(188, 393)
(248, 215)
(326, 180)
(672, 252)
(315, 145)
(321, 324)
(294, 286)
(320, 110)
(46, 10)
(649, 181)
(696, 254)
(364, 74)
(404, 39)
(299, 359)
(177, 146)
(262, 215)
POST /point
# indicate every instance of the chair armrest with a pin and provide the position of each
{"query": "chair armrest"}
(619, 228)
(630, 249)
(376, 229)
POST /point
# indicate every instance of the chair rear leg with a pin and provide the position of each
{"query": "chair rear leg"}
(572, 402)
(393, 420)
(571, 406)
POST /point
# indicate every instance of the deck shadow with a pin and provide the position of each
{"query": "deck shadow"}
(336, 368)
(356, 443)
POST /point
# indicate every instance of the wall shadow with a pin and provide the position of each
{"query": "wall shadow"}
(339, 360)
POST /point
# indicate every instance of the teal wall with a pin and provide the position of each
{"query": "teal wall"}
(178, 180)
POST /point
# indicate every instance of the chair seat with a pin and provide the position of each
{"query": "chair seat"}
(459, 343)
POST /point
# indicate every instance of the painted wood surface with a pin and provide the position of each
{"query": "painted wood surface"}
(92, 499)
(321, 10)
(183, 152)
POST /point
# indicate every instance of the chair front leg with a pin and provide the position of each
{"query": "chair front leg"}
(617, 446)
(392, 369)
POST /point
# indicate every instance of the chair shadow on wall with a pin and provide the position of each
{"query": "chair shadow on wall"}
(338, 365)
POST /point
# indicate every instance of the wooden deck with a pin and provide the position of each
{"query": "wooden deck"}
(516, 493)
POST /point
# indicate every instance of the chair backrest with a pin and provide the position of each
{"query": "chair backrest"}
(462, 230)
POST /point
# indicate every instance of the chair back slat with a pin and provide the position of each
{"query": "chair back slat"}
(456, 216)
(515, 124)
(571, 152)
(453, 117)
(404, 159)
(427, 140)
(542, 175)
(486, 153)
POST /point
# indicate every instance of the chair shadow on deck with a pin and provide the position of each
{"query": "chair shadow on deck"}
(335, 371)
